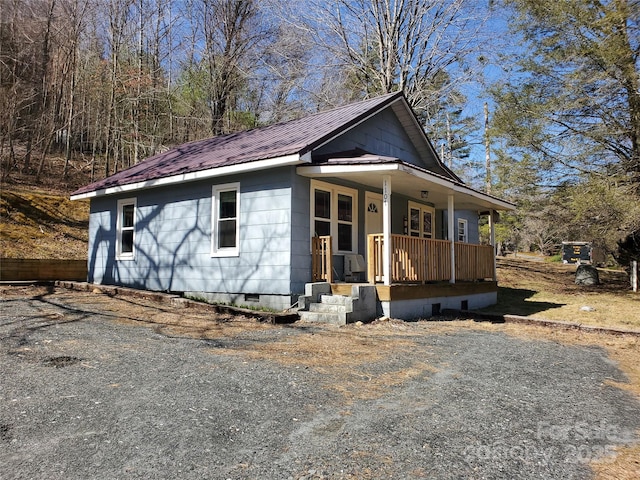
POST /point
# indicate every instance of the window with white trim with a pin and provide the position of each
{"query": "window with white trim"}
(420, 222)
(334, 210)
(225, 221)
(462, 230)
(125, 228)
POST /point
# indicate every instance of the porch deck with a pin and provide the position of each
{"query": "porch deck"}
(398, 292)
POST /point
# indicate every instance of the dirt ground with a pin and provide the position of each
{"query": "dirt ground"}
(94, 386)
(547, 290)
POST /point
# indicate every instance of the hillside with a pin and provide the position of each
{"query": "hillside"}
(37, 219)
(40, 224)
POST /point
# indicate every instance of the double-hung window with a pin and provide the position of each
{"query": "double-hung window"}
(420, 222)
(333, 209)
(462, 230)
(322, 212)
(225, 220)
(125, 227)
(345, 222)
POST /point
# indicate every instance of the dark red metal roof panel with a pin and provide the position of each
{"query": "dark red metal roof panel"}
(293, 137)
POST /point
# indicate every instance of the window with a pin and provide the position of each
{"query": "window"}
(334, 213)
(322, 213)
(225, 220)
(125, 227)
(420, 220)
(345, 222)
(462, 230)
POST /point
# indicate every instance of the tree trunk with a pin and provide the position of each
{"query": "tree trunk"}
(487, 148)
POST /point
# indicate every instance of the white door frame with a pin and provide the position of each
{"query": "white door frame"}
(368, 196)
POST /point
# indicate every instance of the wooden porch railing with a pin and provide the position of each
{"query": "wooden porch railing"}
(321, 259)
(421, 260)
(474, 262)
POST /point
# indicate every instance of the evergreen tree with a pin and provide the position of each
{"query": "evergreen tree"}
(572, 108)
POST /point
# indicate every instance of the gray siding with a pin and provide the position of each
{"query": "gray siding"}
(173, 239)
(300, 233)
(383, 135)
(472, 218)
(473, 233)
(102, 244)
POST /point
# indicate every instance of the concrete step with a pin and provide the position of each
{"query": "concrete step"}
(320, 317)
(318, 305)
(335, 299)
(327, 308)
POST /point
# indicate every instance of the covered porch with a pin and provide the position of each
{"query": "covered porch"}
(414, 271)
(415, 255)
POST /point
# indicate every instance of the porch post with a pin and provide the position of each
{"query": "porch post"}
(386, 229)
(452, 237)
(492, 241)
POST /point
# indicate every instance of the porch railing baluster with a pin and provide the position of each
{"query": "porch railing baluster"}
(321, 259)
(421, 260)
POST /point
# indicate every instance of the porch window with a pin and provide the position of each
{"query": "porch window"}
(420, 220)
(462, 230)
(345, 222)
(334, 214)
(322, 213)
(125, 227)
(225, 221)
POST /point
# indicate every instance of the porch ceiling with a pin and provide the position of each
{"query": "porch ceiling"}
(406, 179)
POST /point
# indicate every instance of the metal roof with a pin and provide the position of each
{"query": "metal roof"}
(296, 137)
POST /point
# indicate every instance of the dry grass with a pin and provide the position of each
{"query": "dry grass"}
(547, 290)
(625, 465)
(42, 225)
(345, 356)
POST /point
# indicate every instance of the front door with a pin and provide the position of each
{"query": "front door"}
(373, 217)
(373, 213)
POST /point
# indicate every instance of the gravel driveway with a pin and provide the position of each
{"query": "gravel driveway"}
(115, 388)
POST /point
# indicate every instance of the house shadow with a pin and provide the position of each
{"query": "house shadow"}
(516, 301)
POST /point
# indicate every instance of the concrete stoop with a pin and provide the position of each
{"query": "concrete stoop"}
(319, 305)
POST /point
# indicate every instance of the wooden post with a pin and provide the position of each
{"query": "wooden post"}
(329, 257)
(634, 275)
(386, 228)
(452, 236)
(371, 261)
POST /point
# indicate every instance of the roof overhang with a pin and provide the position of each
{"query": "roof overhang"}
(410, 181)
(282, 161)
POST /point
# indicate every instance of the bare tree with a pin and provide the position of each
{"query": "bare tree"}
(391, 45)
(231, 32)
(74, 12)
(27, 46)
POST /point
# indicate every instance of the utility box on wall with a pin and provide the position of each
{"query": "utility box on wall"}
(576, 252)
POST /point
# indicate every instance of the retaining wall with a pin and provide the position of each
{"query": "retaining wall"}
(20, 269)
